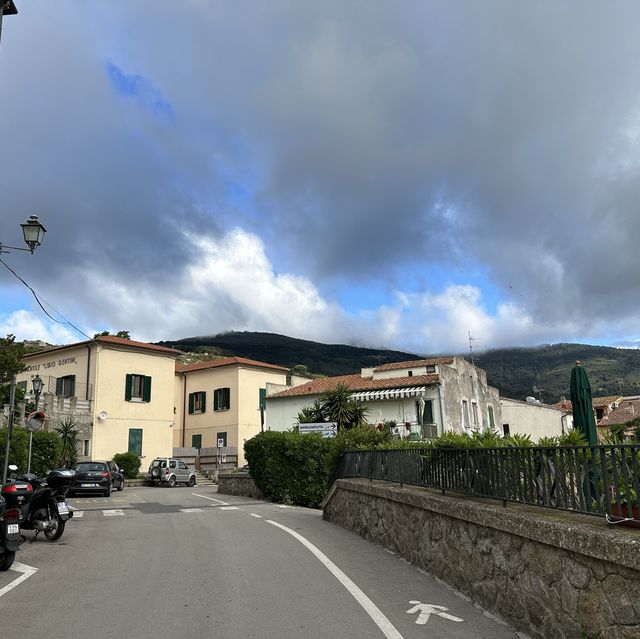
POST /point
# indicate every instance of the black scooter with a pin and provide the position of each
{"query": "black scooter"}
(48, 511)
(13, 497)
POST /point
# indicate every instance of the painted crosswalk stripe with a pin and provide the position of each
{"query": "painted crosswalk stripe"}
(78, 513)
(112, 513)
(191, 510)
(229, 508)
(254, 515)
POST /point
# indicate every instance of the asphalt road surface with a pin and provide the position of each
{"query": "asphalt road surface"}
(162, 562)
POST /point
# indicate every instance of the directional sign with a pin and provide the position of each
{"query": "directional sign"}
(426, 610)
(326, 429)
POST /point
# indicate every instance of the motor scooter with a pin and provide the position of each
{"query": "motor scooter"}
(47, 511)
(13, 496)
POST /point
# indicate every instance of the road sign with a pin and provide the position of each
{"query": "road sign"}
(426, 610)
(221, 443)
(326, 429)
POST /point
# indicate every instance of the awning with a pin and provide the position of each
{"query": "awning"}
(388, 393)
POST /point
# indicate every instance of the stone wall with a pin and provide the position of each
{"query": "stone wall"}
(552, 574)
(238, 484)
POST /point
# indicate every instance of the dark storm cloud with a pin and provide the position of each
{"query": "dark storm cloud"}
(366, 139)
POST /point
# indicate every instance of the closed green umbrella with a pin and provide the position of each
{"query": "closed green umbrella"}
(580, 392)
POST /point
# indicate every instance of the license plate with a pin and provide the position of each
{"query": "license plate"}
(63, 509)
(13, 529)
(89, 485)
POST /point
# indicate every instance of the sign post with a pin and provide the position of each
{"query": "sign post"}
(326, 429)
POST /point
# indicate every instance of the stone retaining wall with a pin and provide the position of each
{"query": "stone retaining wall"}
(238, 484)
(552, 574)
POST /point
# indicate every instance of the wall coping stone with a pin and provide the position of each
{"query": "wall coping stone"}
(582, 534)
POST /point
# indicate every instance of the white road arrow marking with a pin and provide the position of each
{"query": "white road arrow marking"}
(426, 610)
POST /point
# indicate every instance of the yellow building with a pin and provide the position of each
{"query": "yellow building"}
(119, 392)
(220, 401)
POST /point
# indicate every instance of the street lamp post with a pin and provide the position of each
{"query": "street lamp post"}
(37, 389)
(7, 8)
(33, 233)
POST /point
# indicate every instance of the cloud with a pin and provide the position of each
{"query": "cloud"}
(27, 325)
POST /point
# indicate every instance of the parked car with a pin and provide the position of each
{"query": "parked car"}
(97, 477)
(170, 471)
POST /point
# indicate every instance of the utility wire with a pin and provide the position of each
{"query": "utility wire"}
(38, 298)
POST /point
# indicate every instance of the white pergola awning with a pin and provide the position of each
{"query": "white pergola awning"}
(388, 393)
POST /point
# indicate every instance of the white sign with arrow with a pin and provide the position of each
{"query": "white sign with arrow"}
(426, 610)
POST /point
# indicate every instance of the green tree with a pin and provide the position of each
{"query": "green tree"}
(312, 414)
(338, 407)
(68, 432)
(11, 354)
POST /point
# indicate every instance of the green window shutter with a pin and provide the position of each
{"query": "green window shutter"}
(227, 399)
(491, 420)
(191, 403)
(135, 441)
(127, 387)
(428, 412)
(196, 441)
(262, 401)
(59, 386)
(146, 394)
(204, 401)
(72, 385)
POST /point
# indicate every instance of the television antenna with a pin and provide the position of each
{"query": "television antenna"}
(471, 341)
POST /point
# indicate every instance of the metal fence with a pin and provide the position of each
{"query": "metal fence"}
(595, 480)
(211, 460)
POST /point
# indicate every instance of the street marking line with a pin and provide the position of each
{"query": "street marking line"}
(254, 515)
(78, 513)
(191, 510)
(113, 513)
(378, 617)
(426, 610)
(282, 506)
(229, 508)
(26, 571)
(223, 503)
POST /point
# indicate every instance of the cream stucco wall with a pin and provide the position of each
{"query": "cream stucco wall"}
(240, 422)
(535, 420)
(111, 435)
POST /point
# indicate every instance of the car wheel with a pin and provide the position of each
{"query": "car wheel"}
(172, 482)
(192, 481)
(121, 486)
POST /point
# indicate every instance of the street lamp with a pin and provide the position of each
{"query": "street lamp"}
(7, 8)
(36, 382)
(33, 233)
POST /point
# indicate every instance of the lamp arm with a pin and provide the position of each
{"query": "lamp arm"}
(13, 248)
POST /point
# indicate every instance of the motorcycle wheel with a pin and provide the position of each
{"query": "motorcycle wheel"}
(56, 526)
(7, 559)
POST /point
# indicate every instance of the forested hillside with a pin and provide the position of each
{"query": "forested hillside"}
(515, 371)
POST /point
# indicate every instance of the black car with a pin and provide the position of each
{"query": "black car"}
(97, 477)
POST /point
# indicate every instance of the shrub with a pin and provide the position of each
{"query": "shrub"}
(129, 463)
(358, 438)
(45, 452)
(19, 448)
(289, 467)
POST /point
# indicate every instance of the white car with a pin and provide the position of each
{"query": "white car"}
(170, 471)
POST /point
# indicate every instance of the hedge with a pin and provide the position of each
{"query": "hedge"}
(129, 463)
(45, 450)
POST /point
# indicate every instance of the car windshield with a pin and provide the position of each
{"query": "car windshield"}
(90, 466)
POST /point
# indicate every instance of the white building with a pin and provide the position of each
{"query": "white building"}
(534, 419)
(430, 395)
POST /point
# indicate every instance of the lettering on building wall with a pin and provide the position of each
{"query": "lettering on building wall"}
(51, 364)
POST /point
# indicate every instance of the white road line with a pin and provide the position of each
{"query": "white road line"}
(224, 503)
(378, 617)
(229, 508)
(26, 571)
(254, 515)
(191, 510)
(78, 513)
(282, 506)
(113, 513)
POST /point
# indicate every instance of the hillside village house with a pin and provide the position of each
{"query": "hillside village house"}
(534, 419)
(221, 400)
(119, 392)
(430, 395)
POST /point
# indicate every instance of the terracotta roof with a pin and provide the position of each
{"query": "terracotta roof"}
(414, 362)
(109, 339)
(627, 410)
(601, 402)
(356, 383)
(226, 361)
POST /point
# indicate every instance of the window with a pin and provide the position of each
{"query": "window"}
(426, 417)
(137, 388)
(465, 413)
(474, 413)
(196, 441)
(492, 422)
(84, 447)
(505, 430)
(197, 402)
(221, 438)
(173, 463)
(22, 385)
(262, 398)
(222, 399)
(431, 368)
(182, 465)
(135, 441)
(410, 373)
(66, 386)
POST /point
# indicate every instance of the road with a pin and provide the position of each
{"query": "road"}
(152, 562)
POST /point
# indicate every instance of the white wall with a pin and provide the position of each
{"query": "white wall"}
(535, 420)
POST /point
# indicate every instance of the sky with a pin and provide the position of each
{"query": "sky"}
(398, 175)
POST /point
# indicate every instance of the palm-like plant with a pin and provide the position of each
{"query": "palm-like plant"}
(311, 414)
(338, 407)
(68, 431)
